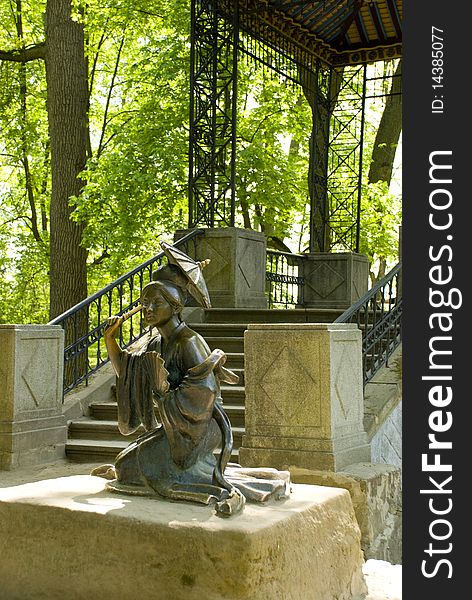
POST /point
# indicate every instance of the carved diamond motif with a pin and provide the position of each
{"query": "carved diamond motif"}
(343, 385)
(323, 280)
(288, 371)
(246, 266)
(39, 378)
(218, 261)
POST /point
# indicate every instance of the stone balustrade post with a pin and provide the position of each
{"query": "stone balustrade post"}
(304, 396)
(334, 280)
(235, 276)
(32, 427)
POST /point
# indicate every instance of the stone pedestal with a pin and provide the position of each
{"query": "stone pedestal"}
(377, 498)
(334, 280)
(304, 396)
(68, 538)
(32, 427)
(236, 274)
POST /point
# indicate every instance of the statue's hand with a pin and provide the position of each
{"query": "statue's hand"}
(113, 324)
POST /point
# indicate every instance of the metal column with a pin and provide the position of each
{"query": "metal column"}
(213, 96)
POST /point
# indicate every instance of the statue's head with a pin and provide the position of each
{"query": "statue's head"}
(164, 297)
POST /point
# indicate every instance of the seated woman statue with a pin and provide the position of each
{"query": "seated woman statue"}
(173, 370)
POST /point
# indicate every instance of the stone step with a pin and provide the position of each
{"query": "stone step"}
(236, 414)
(94, 450)
(233, 395)
(104, 411)
(105, 450)
(225, 343)
(239, 373)
(85, 429)
(219, 329)
(102, 429)
(260, 315)
(234, 360)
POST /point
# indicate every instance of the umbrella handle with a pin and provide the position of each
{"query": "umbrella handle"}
(204, 263)
(125, 316)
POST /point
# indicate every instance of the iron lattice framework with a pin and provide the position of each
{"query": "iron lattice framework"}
(220, 29)
(344, 170)
(213, 82)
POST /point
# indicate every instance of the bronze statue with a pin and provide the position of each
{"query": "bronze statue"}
(173, 369)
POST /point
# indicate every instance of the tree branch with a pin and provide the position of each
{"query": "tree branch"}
(105, 144)
(24, 55)
(98, 261)
(261, 123)
(110, 91)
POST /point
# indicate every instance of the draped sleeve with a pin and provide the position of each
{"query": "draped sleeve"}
(133, 391)
(185, 411)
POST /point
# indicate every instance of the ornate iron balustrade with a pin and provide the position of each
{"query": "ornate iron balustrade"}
(379, 315)
(84, 323)
(284, 282)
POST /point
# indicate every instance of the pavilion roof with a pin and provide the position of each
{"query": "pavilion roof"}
(340, 32)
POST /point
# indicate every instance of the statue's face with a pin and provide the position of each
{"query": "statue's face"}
(157, 310)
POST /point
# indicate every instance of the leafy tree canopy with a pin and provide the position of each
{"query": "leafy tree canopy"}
(136, 173)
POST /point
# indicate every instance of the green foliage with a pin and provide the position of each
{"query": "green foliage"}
(136, 190)
(380, 219)
(272, 156)
(136, 175)
(381, 202)
(24, 171)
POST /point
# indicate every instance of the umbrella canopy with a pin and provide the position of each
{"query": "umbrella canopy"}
(192, 271)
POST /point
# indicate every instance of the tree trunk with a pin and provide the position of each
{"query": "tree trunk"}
(385, 146)
(318, 156)
(66, 75)
(388, 133)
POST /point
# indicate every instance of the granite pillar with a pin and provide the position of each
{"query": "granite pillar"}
(304, 396)
(32, 427)
(334, 280)
(235, 276)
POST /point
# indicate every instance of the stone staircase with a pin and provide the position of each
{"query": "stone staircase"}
(96, 437)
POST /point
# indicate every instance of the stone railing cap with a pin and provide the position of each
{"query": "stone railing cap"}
(31, 327)
(304, 326)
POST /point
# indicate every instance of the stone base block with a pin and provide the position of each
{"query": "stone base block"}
(280, 458)
(68, 538)
(32, 426)
(377, 498)
(334, 280)
(32, 442)
(235, 276)
(304, 396)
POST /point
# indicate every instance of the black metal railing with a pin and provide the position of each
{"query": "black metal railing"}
(284, 279)
(84, 323)
(379, 315)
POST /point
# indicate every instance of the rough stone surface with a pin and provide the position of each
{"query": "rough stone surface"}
(383, 393)
(68, 538)
(32, 427)
(386, 444)
(383, 412)
(376, 495)
(334, 280)
(235, 276)
(304, 396)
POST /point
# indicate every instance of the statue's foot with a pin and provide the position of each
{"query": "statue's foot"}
(105, 471)
(231, 505)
